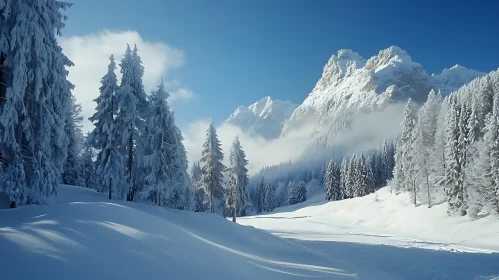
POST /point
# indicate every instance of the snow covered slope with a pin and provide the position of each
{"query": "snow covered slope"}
(392, 235)
(351, 84)
(84, 236)
(265, 117)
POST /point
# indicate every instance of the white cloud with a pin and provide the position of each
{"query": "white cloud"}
(259, 152)
(90, 54)
(181, 94)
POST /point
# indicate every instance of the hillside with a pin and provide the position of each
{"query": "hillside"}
(84, 236)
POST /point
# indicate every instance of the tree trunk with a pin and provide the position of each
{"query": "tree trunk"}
(428, 188)
(414, 189)
(234, 214)
(212, 209)
(110, 190)
(130, 163)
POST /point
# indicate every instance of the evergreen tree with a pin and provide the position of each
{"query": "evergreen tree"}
(351, 177)
(72, 166)
(453, 183)
(269, 202)
(491, 174)
(105, 138)
(88, 166)
(164, 158)
(343, 177)
(132, 111)
(404, 169)
(35, 99)
(332, 182)
(213, 167)
(297, 193)
(238, 198)
(199, 195)
(260, 195)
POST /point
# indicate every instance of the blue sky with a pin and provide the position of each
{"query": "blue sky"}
(237, 52)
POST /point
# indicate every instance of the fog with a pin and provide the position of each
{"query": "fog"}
(366, 132)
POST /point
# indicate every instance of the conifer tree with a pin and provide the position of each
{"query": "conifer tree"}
(453, 183)
(72, 166)
(132, 111)
(343, 177)
(238, 197)
(163, 158)
(332, 182)
(35, 99)
(269, 201)
(105, 139)
(213, 167)
(88, 166)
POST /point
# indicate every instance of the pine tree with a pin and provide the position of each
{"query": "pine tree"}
(454, 187)
(238, 198)
(164, 158)
(260, 195)
(491, 174)
(105, 138)
(88, 166)
(199, 195)
(343, 178)
(213, 167)
(351, 177)
(35, 99)
(332, 182)
(404, 169)
(132, 110)
(297, 193)
(386, 163)
(269, 202)
(72, 166)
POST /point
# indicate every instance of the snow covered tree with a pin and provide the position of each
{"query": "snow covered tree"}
(72, 166)
(213, 167)
(238, 198)
(343, 178)
(104, 137)
(132, 111)
(260, 195)
(351, 177)
(35, 99)
(199, 195)
(491, 174)
(297, 193)
(453, 183)
(404, 169)
(269, 203)
(332, 182)
(87, 179)
(164, 159)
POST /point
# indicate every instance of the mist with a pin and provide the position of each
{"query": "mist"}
(367, 131)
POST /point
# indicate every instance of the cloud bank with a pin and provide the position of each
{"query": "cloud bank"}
(90, 54)
(366, 132)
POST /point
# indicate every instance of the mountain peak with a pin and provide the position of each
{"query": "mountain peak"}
(388, 56)
(453, 78)
(265, 117)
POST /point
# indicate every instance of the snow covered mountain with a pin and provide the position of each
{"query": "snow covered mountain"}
(265, 117)
(351, 84)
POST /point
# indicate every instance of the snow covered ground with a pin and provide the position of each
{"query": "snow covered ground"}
(391, 235)
(84, 236)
